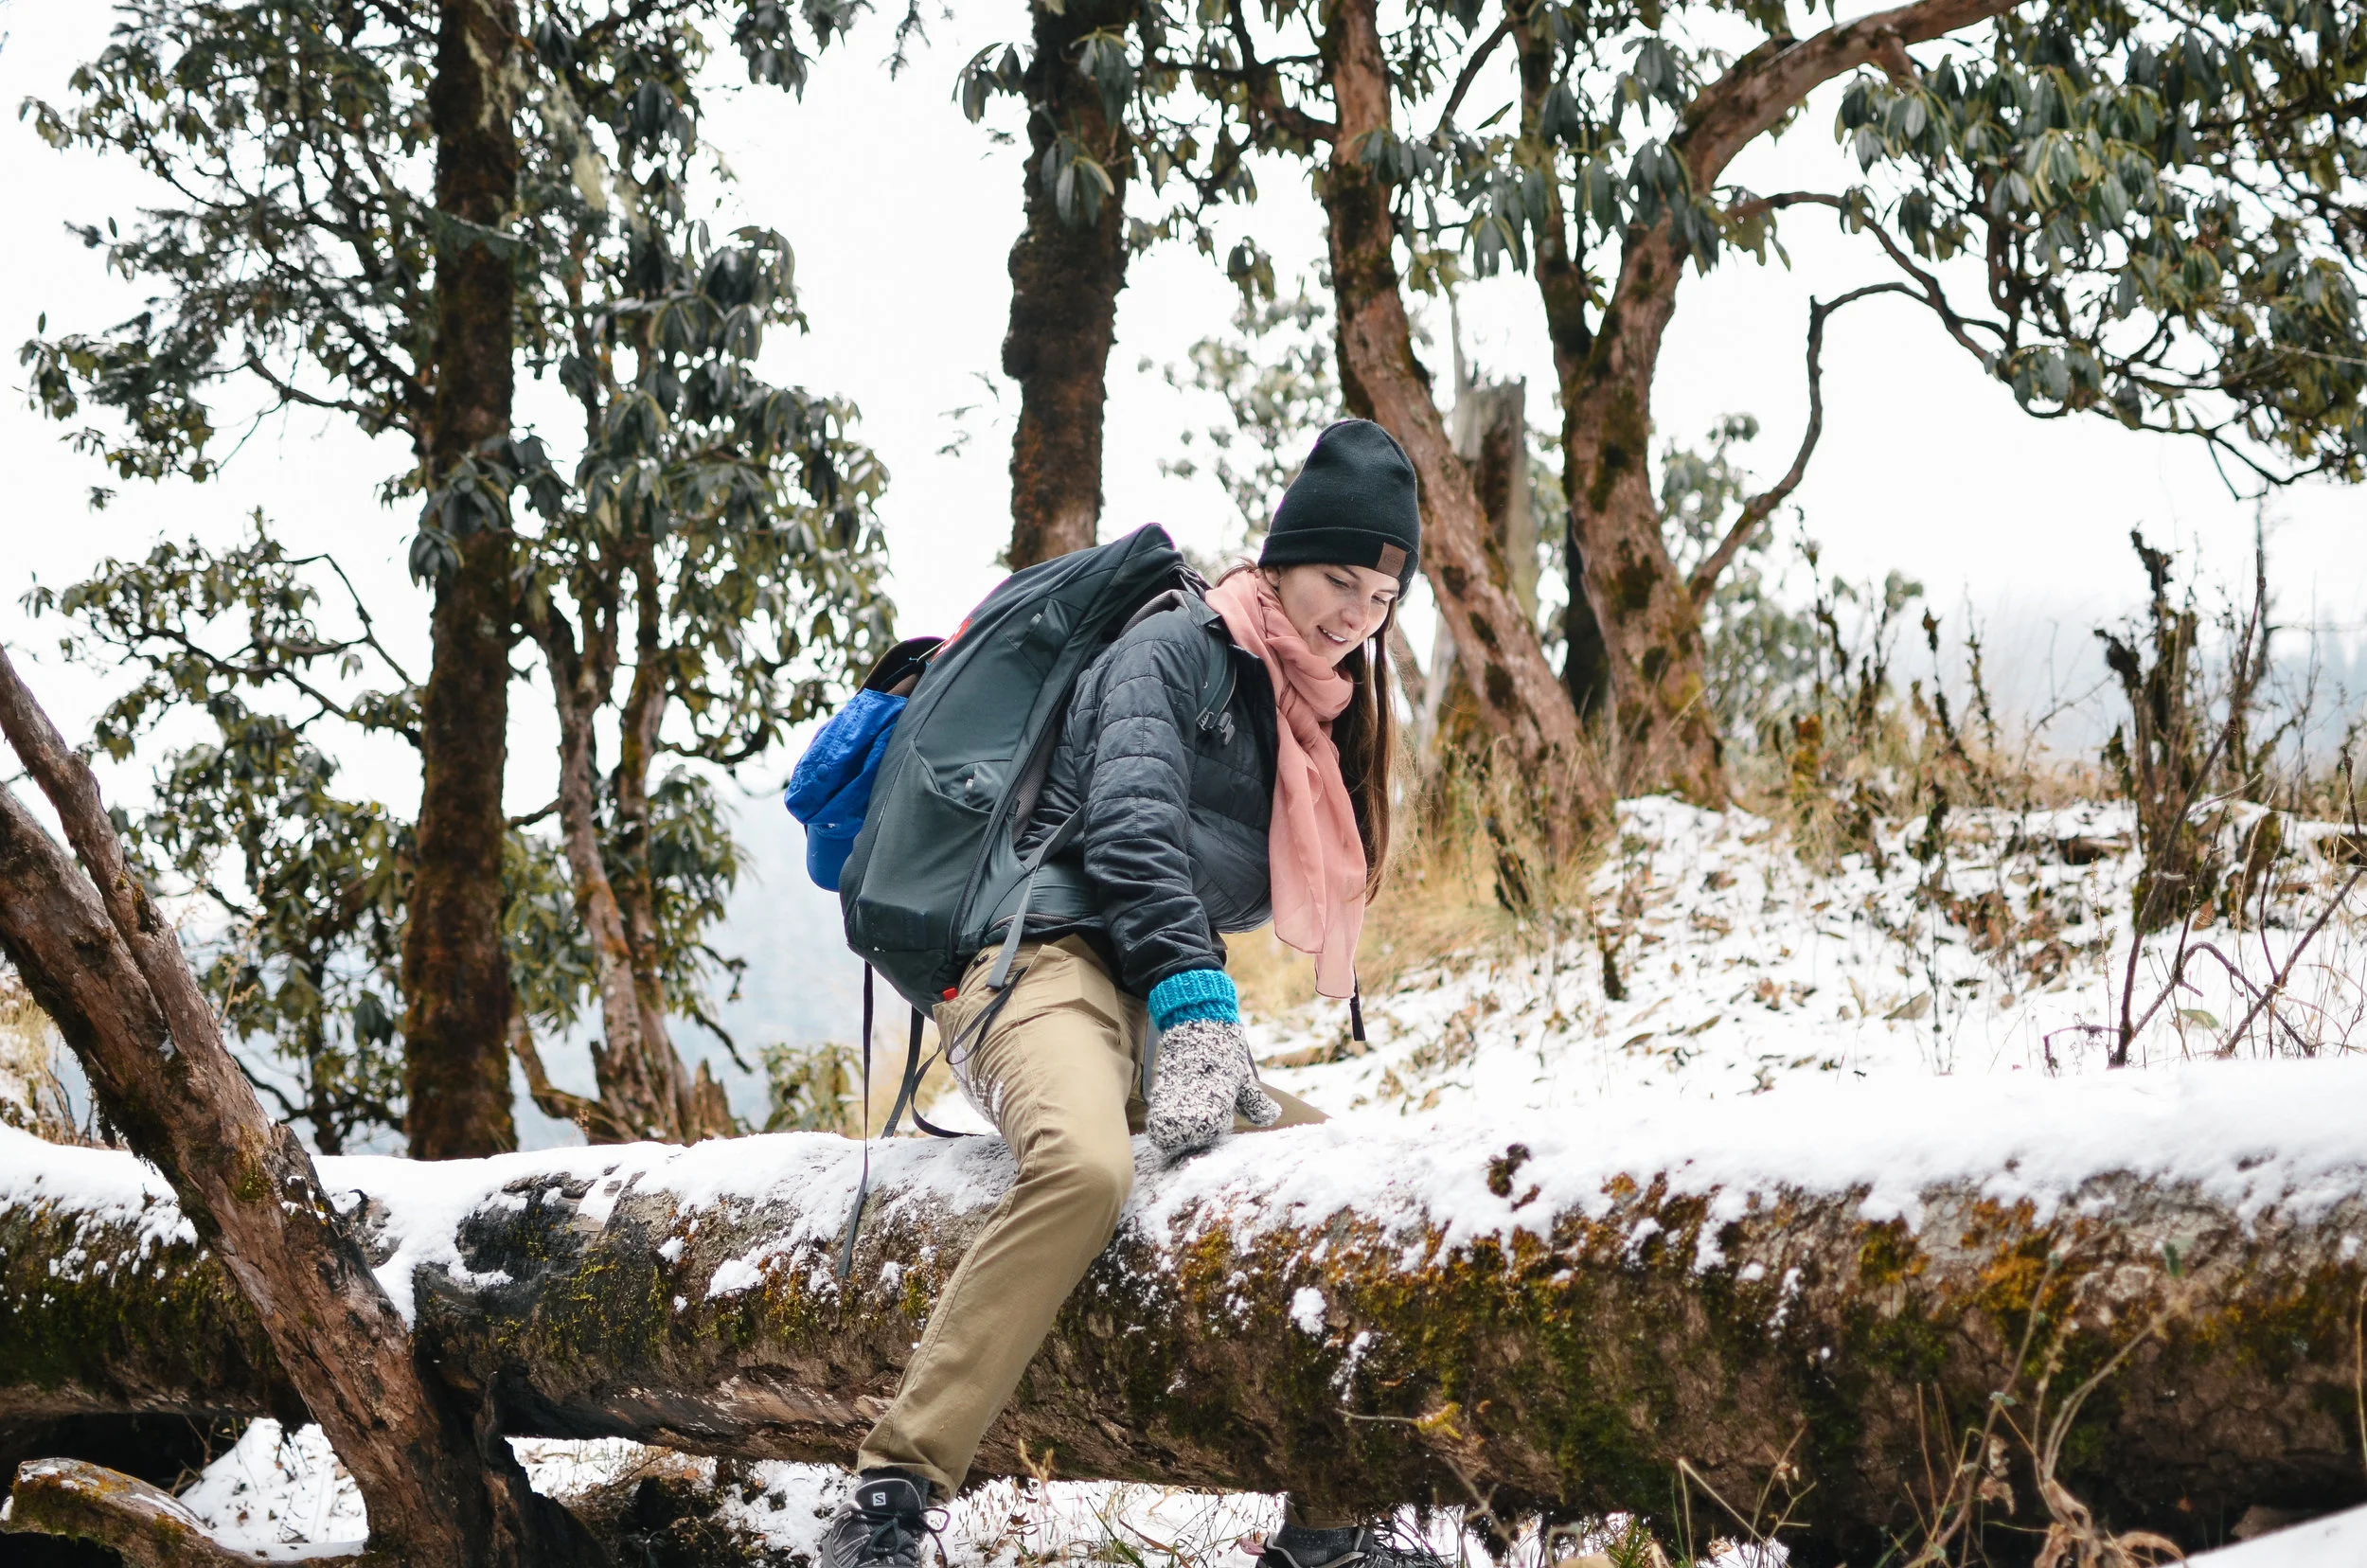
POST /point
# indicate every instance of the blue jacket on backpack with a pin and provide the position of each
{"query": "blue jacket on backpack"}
(831, 788)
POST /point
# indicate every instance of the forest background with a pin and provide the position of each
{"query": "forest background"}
(900, 212)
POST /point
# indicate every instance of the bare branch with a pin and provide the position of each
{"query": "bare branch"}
(1705, 576)
(369, 626)
(2284, 971)
(1258, 82)
(1959, 326)
(588, 1115)
(1470, 72)
(259, 669)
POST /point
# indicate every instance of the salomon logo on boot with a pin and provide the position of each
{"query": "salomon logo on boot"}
(883, 1524)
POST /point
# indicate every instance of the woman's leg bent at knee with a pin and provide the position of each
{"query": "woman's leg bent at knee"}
(1054, 1072)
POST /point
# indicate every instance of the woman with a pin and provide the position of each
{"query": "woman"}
(1278, 809)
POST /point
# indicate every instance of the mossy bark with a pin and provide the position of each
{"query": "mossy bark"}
(1779, 1344)
(455, 971)
(1067, 269)
(145, 1326)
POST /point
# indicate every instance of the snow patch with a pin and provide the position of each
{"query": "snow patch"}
(280, 1495)
(735, 1275)
(2337, 1541)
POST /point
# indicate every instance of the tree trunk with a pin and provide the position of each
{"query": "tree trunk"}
(629, 1106)
(1370, 1316)
(1489, 431)
(1521, 703)
(695, 1108)
(1645, 613)
(645, 1092)
(103, 962)
(1634, 635)
(1561, 283)
(1065, 277)
(1662, 728)
(456, 975)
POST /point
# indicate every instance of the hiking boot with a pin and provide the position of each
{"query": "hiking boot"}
(1355, 1546)
(882, 1523)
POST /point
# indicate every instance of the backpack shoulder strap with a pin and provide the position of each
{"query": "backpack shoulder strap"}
(1218, 673)
(1217, 682)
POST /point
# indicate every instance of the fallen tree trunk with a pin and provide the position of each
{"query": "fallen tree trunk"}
(1800, 1308)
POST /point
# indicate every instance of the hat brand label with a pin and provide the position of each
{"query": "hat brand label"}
(1392, 559)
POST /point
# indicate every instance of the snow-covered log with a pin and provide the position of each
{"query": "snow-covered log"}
(1797, 1303)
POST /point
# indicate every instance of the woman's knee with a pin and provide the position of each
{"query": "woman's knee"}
(1093, 1173)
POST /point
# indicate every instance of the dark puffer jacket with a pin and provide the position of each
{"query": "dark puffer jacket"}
(1174, 839)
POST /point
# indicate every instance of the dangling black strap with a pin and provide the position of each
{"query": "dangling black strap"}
(1060, 838)
(909, 1094)
(971, 1032)
(1356, 1010)
(862, 1185)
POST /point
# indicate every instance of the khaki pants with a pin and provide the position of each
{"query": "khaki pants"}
(1057, 1073)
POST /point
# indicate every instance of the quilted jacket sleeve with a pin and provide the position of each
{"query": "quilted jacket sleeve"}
(1137, 835)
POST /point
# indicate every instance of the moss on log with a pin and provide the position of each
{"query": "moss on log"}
(143, 1524)
(122, 1312)
(1365, 1318)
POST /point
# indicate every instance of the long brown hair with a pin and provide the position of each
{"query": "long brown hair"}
(1365, 732)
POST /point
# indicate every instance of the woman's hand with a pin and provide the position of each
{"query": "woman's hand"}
(1204, 1075)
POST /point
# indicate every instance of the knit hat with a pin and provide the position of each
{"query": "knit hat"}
(1354, 504)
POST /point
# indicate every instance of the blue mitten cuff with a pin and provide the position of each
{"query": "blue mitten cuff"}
(1195, 993)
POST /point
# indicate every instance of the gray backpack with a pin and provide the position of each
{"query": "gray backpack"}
(936, 874)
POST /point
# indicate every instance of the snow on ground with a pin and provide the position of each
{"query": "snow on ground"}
(2337, 1541)
(286, 1498)
(277, 1496)
(1885, 1022)
(1746, 970)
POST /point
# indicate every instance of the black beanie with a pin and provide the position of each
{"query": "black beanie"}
(1354, 504)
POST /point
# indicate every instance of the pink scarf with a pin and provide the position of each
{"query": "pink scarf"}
(1315, 859)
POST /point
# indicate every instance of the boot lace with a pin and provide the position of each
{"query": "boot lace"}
(893, 1538)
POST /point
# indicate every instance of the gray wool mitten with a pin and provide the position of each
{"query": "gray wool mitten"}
(1205, 1075)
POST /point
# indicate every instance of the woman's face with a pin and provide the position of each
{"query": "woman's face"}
(1333, 608)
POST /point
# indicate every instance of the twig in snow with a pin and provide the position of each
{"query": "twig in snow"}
(2276, 983)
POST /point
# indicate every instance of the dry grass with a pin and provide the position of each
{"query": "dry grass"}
(1471, 872)
(30, 1095)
